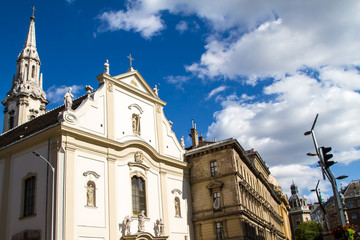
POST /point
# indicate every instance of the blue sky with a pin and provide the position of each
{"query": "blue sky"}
(258, 71)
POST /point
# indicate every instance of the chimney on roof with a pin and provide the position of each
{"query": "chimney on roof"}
(194, 134)
(201, 138)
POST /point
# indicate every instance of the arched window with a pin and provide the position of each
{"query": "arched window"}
(138, 195)
(29, 196)
(11, 121)
(33, 71)
(91, 194)
(177, 207)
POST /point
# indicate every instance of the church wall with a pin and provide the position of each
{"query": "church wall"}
(25, 164)
(90, 116)
(93, 119)
(90, 168)
(125, 104)
(172, 147)
(177, 187)
(90, 217)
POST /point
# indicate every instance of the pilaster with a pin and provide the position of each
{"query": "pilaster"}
(112, 196)
(164, 200)
(159, 128)
(69, 191)
(5, 200)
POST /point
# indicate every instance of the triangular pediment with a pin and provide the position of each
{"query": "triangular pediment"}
(135, 80)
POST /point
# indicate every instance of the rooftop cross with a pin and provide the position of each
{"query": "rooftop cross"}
(131, 59)
(33, 11)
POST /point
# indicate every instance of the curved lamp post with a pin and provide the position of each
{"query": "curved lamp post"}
(53, 189)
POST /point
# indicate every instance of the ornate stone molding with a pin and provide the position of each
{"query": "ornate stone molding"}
(136, 106)
(68, 117)
(176, 191)
(87, 173)
(110, 87)
(138, 157)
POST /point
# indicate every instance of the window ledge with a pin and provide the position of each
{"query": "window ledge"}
(27, 217)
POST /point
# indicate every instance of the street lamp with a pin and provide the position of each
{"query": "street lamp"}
(341, 177)
(327, 172)
(53, 189)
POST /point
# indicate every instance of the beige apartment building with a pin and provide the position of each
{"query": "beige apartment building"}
(231, 194)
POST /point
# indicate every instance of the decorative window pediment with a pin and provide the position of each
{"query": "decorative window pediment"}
(215, 184)
(176, 191)
(87, 173)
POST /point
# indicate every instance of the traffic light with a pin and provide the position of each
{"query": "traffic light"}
(327, 156)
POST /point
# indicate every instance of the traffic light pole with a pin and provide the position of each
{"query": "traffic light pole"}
(326, 171)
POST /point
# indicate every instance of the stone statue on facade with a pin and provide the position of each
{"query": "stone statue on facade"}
(177, 207)
(68, 99)
(161, 227)
(156, 90)
(106, 67)
(126, 225)
(141, 224)
(136, 124)
(90, 195)
(182, 142)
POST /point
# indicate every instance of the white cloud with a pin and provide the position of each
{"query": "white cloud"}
(276, 127)
(147, 25)
(264, 38)
(216, 91)
(177, 80)
(55, 94)
(182, 26)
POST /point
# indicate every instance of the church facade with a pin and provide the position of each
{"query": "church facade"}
(119, 170)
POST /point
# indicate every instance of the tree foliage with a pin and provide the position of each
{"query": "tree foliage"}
(308, 231)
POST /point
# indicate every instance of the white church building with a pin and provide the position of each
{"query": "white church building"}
(119, 168)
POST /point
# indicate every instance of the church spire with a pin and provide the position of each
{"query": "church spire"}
(30, 39)
(26, 99)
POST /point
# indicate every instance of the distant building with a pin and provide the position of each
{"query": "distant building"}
(299, 210)
(352, 201)
(231, 195)
(284, 206)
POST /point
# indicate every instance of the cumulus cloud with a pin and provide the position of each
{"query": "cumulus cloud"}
(55, 94)
(147, 25)
(262, 38)
(276, 127)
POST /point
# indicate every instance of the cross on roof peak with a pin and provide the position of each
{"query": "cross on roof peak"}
(131, 59)
(33, 12)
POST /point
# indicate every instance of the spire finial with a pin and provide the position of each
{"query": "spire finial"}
(33, 13)
(131, 59)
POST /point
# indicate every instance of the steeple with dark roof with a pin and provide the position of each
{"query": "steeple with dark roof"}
(26, 99)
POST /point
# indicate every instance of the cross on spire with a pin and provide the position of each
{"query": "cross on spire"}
(33, 11)
(131, 59)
